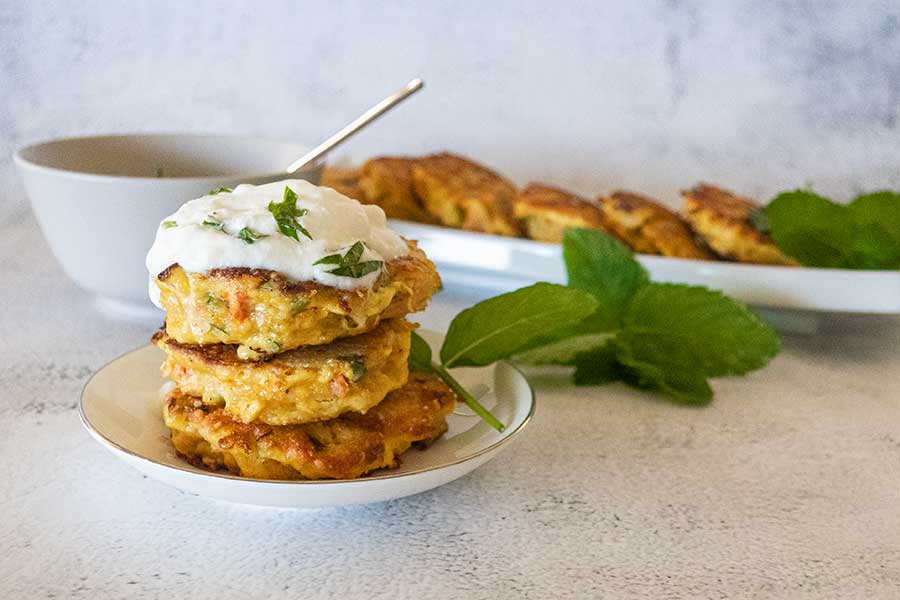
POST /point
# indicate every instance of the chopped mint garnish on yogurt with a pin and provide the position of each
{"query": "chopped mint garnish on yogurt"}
(348, 264)
(286, 214)
(214, 223)
(249, 236)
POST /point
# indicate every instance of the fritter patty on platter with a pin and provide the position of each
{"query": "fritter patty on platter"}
(650, 228)
(463, 194)
(546, 212)
(387, 182)
(344, 180)
(722, 220)
(343, 448)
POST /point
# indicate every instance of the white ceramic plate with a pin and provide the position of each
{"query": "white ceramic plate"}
(120, 407)
(503, 264)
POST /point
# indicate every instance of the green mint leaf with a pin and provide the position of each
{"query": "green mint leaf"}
(331, 259)
(249, 236)
(820, 233)
(214, 223)
(597, 366)
(221, 190)
(357, 270)
(879, 208)
(420, 355)
(354, 253)
(169, 224)
(601, 265)
(680, 328)
(499, 327)
(286, 214)
(563, 351)
(873, 248)
(687, 387)
(809, 227)
(349, 263)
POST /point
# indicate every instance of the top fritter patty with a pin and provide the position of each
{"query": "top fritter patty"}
(265, 313)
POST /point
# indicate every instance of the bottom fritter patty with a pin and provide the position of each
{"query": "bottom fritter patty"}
(312, 383)
(343, 448)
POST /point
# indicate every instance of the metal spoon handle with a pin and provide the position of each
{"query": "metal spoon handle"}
(361, 121)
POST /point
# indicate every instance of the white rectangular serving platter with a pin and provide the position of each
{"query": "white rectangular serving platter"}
(503, 264)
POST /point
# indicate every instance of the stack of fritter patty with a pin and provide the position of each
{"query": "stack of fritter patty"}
(277, 379)
(450, 190)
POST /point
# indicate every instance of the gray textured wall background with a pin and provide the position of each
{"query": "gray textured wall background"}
(756, 95)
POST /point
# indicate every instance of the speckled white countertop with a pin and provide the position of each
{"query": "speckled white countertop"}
(787, 486)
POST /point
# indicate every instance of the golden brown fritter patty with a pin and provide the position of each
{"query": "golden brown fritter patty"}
(343, 448)
(547, 212)
(649, 228)
(344, 180)
(311, 383)
(387, 182)
(722, 219)
(462, 194)
(266, 313)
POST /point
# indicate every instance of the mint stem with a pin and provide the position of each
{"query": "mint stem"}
(468, 398)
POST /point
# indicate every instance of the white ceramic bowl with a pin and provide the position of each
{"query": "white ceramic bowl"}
(100, 199)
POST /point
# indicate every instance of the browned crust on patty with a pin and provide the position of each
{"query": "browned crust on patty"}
(722, 219)
(344, 180)
(342, 448)
(227, 354)
(650, 228)
(728, 208)
(548, 210)
(387, 181)
(267, 313)
(407, 263)
(463, 194)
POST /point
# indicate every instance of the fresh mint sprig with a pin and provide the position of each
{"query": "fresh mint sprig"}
(286, 214)
(348, 265)
(864, 234)
(611, 323)
(663, 336)
(217, 191)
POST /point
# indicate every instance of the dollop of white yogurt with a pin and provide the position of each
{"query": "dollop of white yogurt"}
(334, 221)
